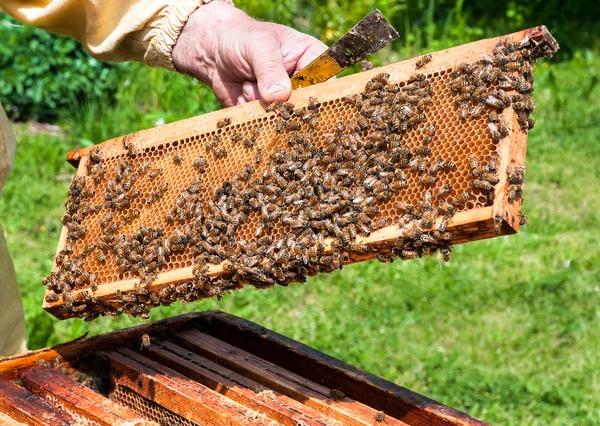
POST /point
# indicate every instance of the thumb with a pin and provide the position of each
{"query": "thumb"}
(267, 64)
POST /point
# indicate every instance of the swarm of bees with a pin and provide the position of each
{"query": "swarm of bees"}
(325, 190)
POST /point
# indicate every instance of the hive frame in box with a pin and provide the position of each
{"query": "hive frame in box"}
(471, 225)
(265, 350)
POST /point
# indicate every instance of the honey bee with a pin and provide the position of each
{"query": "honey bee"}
(145, 342)
(493, 131)
(422, 61)
(445, 251)
(273, 106)
(101, 258)
(155, 173)
(422, 150)
(177, 157)
(409, 254)
(498, 224)
(223, 123)
(428, 180)
(522, 219)
(464, 111)
(461, 199)
(514, 191)
(482, 184)
(200, 164)
(236, 137)
(96, 155)
(476, 110)
(473, 162)
(494, 102)
(336, 394)
(51, 298)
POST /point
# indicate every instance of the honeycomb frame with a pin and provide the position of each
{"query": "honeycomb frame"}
(477, 222)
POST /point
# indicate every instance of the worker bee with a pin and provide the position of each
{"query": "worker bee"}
(493, 131)
(476, 110)
(155, 173)
(177, 157)
(409, 254)
(96, 155)
(464, 111)
(461, 199)
(422, 150)
(473, 162)
(490, 177)
(422, 61)
(236, 137)
(51, 298)
(224, 123)
(522, 219)
(482, 184)
(428, 180)
(200, 164)
(514, 190)
(101, 258)
(145, 341)
(494, 102)
(259, 156)
(336, 394)
(498, 224)
(273, 106)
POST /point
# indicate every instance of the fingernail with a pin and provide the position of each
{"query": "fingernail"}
(274, 89)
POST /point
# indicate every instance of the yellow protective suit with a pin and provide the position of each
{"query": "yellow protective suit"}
(111, 30)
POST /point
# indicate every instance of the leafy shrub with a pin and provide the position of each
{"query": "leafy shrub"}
(41, 73)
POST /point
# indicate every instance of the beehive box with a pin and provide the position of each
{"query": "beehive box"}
(207, 368)
(397, 162)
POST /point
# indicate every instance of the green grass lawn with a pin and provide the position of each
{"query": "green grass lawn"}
(508, 330)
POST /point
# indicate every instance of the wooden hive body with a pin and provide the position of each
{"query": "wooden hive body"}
(207, 368)
(484, 215)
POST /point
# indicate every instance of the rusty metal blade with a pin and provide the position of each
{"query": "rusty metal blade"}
(368, 36)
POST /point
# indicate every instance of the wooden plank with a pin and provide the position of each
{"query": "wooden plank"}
(346, 410)
(70, 351)
(513, 155)
(367, 388)
(235, 386)
(22, 405)
(175, 392)
(75, 397)
(6, 420)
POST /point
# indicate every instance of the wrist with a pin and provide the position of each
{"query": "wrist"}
(195, 52)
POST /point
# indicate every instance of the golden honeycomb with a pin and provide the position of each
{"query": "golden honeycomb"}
(166, 171)
(460, 139)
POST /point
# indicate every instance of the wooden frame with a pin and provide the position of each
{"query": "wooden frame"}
(202, 363)
(471, 225)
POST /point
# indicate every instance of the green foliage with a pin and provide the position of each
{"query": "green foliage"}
(41, 73)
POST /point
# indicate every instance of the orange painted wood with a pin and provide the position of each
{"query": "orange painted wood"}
(316, 396)
(9, 367)
(75, 397)
(23, 406)
(175, 392)
(395, 400)
(237, 387)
